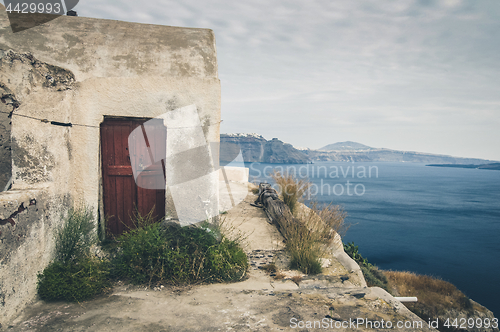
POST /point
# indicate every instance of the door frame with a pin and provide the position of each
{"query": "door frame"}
(102, 220)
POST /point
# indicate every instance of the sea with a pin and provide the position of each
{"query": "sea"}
(439, 221)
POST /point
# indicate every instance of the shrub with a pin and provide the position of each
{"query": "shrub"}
(76, 236)
(139, 251)
(352, 250)
(291, 189)
(373, 276)
(74, 275)
(152, 253)
(225, 262)
(75, 282)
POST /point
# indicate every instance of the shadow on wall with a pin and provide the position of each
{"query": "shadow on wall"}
(27, 221)
(5, 126)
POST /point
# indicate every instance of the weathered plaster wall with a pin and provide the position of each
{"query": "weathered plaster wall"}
(22, 76)
(69, 157)
(26, 243)
(106, 48)
(80, 70)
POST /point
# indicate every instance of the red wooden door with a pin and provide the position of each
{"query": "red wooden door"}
(123, 198)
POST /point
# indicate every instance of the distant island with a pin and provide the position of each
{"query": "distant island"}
(494, 166)
(255, 148)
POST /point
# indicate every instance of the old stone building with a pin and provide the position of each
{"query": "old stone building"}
(73, 90)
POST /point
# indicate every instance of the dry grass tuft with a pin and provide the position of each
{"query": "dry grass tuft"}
(435, 296)
(305, 246)
(296, 279)
(254, 188)
(279, 276)
(271, 267)
(324, 222)
(309, 232)
(310, 236)
(291, 189)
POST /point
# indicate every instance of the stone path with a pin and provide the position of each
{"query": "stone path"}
(252, 223)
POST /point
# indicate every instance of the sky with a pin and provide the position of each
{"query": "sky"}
(409, 75)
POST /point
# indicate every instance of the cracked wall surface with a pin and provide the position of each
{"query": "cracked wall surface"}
(109, 48)
(27, 222)
(21, 74)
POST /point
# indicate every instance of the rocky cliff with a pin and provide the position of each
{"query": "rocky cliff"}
(255, 148)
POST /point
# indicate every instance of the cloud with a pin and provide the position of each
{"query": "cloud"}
(361, 64)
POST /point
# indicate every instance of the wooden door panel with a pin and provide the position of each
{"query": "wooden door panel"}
(121, 213)
(119, 170)
(122, 196)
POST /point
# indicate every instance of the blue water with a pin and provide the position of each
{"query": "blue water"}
(442, 222)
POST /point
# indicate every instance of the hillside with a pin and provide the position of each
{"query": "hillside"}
(256, 148)
(346, 146)
(387, 155)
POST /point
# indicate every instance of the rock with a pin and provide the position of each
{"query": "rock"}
(256, 148)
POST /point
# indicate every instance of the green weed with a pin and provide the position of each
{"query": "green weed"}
(76, 236)
(173, 254)
(373, 276)
(74, 275)
(75, 282)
